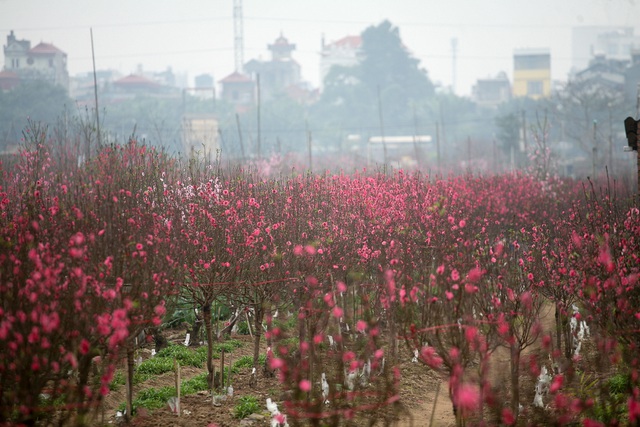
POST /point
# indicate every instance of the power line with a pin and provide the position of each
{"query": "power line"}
(431, 24)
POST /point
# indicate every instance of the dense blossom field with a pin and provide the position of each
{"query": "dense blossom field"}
(368, 265)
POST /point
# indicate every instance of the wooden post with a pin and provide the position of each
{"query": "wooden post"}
(222, 369)
(229, 376)
(213, 387)
(176, 367)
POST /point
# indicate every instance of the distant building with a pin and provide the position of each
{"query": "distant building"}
(239, 90)
(204, 87)
(41, 62)
(8, 80)
(81, 86)
(346, 52)
(613, 42)
(492, 91)
(203, 81)
(532, 73)
(200, 135)
(135, 84)
(277, 74)
(632, 77)
(603, 72)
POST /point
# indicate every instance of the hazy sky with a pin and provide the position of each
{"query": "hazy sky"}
(196, 36)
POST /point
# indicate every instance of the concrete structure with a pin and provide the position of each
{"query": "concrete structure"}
(589, 41)
(200, 136)
(492, 91)
(277, 74)
(346, 52)
(41, 62)
(239, 90)
(532, 73)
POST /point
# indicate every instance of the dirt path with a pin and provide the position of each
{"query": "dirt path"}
(418, 393)
(421, 415)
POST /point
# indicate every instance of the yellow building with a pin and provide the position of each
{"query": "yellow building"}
(532, 73)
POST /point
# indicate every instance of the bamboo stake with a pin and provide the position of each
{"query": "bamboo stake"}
(176, 367)
(222, 369)
(248, 324)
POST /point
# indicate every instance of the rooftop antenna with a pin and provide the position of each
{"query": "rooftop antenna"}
(238, 39)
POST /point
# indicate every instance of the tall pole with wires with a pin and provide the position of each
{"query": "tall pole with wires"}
(95, 92)
(238, 35)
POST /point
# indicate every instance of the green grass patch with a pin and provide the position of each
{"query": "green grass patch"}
(247, 362)
(228, 346)
(185, 355)
(153, 398)
(195, 384)
(246, 406)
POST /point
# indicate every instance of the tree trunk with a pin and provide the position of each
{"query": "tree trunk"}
(269, 314)
(130, 363)
(195, 331)
(206, 317)
(515, 379)
(558, 328)
(257, 333)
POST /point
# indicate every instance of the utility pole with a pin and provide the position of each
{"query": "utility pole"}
(259, 142)
(524, 135)
(309, 145)
(415, 133)
(240, 138)
(594, 155)
(384, 145)
(610, 142)
(95, 92)
(438, 144)
(469, 153)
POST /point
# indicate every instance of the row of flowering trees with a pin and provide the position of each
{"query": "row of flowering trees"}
(370, 268)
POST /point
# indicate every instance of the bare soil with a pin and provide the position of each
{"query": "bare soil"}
(424, 395)
(418, 388)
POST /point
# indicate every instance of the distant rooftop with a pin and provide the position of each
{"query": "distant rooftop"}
(349, 42)
(236, 77)
(44, 49)
(532, 51)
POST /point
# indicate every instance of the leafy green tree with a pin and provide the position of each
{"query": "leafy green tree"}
(388, 78)
(38, 101)
(509, 127)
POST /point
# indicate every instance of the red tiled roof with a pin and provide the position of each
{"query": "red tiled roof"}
(352, 42)
(236, 77)
(8, 80)
(5, 74)
(44, 49)
(134, 79)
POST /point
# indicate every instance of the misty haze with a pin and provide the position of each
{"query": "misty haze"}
(328, 213)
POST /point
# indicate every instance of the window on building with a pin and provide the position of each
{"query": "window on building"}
(532, 62)
(534, 87)
(234, 95)
(51, 62)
